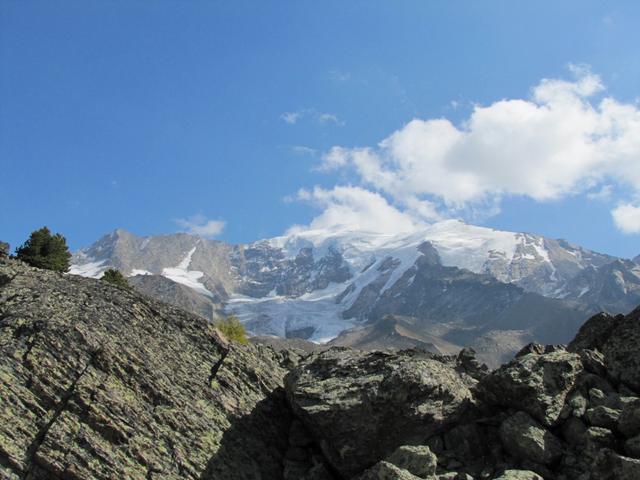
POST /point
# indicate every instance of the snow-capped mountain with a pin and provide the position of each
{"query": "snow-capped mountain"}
(535, 263)
(317, 283)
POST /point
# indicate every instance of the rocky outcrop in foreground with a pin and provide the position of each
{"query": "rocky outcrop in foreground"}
(97, 382)
(553, 412)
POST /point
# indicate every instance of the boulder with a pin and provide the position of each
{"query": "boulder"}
(593, 362)
(536, 348)
(535, 383)
(526, 439)
(362, 406)
(519, 475)
(386, 471)
(622, 356)
(455, 476)
(316, 472)
(574, 431)
(629, 420)
(470, 365)
(632, 447)
(595, 440)
(577, 404)
(4, 249)
(465, 442)
(597, 397)
(298, 435)
(616, 337)
(613, 466)
(625, 468)
(417, 459)
(594, 332)
(602, 416)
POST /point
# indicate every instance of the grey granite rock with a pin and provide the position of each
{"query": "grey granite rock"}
(386, 471)
(363, 406)
(602, 416)
(417, 459)
(519, 475)
(535, 383)
(526, 439)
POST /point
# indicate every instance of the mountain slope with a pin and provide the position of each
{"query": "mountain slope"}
(613, 287)
(394, 333)
(178, 294)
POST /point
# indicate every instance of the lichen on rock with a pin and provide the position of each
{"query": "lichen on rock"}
(97, 382)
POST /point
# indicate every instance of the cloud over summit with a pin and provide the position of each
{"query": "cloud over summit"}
(569, 137)
(200, 225)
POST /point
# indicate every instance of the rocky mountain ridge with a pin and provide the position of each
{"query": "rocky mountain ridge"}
(98, 382)
(462, 284)
(303, 262)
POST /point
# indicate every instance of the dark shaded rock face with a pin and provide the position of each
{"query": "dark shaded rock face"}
(621, 351)
(618, 339)
(97, 382)
(4, 249)
(595, 332)
(395, 399)
(100, 383)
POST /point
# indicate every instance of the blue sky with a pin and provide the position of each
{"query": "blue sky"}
(157, 116)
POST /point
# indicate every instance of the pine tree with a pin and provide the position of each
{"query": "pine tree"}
(45, 250)
(114, 277)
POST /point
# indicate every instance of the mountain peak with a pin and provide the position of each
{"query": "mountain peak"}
(317, 283)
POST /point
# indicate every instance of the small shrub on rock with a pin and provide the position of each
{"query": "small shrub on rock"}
(116, 278)
(232, 329)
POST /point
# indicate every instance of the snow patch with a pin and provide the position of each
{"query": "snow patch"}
(137, 271)
(278, 315)
(583, 291)
(181, 274)
(467, 246)
(91, 269)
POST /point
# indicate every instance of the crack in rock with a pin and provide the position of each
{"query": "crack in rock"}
(38, 440)
(216, 366)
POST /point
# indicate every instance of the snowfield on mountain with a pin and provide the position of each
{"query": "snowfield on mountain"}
(317, 284)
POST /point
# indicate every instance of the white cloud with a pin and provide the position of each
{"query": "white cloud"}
(567, 138)
(321, 118)
(355, 208)
(200, 225)
(329, 118)
(302, 150)
(627, 218)
(339, 76)
(335, 158)
(290, 117)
